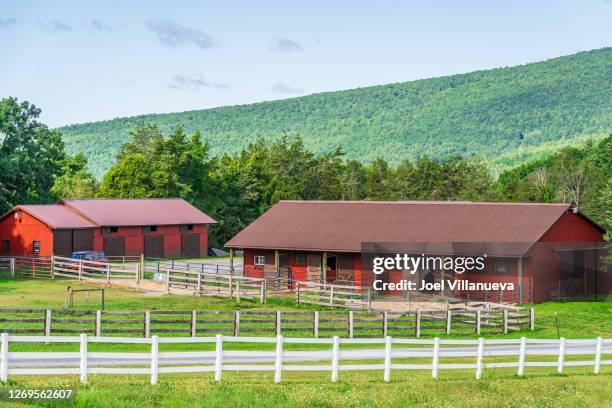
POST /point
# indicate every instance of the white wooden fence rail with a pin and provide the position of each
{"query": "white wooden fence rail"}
(153, 363)
(108, 272)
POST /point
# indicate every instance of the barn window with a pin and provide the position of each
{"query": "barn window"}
(300, 259)
(6, 246)
(108, 230)
(186, 227)
(500, 267)
(36, 247)
(259, 260)
(114, 229)
(150, 228)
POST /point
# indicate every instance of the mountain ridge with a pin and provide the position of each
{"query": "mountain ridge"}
(486, 112)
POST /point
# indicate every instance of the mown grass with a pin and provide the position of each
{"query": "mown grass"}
(498, 388)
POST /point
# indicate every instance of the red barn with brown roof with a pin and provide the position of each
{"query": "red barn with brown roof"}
(543, 249)
(119, 227)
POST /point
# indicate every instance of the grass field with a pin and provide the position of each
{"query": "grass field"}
(499, 387)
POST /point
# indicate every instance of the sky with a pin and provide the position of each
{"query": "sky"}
(81, 61)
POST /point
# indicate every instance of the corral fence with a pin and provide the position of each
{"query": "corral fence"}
(109, 272)
(26, 267)
(326, 323)
(409, 354)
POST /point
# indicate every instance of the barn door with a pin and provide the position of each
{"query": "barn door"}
(114, 246)
(82, 240)
(313, 263)
(190, 245)
(154, 246)
(62, 242)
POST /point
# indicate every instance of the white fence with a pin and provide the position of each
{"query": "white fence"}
(109, 272)
(155, 362)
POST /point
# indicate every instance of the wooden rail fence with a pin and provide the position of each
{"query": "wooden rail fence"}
(422, 355)
(263, 322)
(109, 272)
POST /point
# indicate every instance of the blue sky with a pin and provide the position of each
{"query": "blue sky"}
(80, 61)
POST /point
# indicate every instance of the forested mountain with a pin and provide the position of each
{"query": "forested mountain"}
(504, 114)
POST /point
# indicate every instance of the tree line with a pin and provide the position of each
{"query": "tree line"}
(237, 188)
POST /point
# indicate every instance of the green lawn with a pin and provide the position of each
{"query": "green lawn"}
(499, 387)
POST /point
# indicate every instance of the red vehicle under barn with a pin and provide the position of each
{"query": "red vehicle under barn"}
(119, 227)
(548, 250)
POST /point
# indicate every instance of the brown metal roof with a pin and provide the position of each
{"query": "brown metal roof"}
(56, 216)
(344, 225)
(153, 211)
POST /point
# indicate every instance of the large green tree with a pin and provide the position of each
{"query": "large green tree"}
(31, 155)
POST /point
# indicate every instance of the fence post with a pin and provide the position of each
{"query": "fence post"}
(531, 319)
(278, 363)
(12, 267)
(137, 277)
(83, 358)
(598, 355)
(449, 318)
(315, 324)
(48, 322)
(98, 323)
(237, 291)
(561, 355)
(108, 273)
(154, 359)
(388, 343)
(52, 267)
(218, 357)
(369, 298)
(350, 324)
(478, 321)
(147, 325)
(297, 291)
(237, 323)
(194, 322)
(505, 321)
(200, 282)
(4, 357)
(331, 295)
(479, 358)
(80, 270)
(335, 358)
(278, 323)
(262, 291)
(168, 279)
(231, 284)
(521, 363)
(418, 324)
(436, 358)
(385, 323)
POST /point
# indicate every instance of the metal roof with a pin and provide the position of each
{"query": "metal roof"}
(126, 212)
(344, 225)
(56, 216)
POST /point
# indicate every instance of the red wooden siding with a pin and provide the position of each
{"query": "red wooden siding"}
(23, 232)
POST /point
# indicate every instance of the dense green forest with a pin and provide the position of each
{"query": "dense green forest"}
(506, 115)
(236, 188)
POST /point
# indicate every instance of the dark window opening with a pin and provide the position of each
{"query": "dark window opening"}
(187, 227)
(150, 228)
(6, 246)
(36, 247)
(108, 230)
(300, 259)
(500, 267)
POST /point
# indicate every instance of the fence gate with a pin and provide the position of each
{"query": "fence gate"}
(190, 245)
(154, 246)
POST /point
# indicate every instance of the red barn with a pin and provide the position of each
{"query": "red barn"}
(156, 227)
(545, 250)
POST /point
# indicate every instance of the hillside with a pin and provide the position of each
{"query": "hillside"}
(499, 112)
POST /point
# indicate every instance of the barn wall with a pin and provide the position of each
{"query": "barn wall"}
(570, 228)
(134, 239)
(21, 233)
